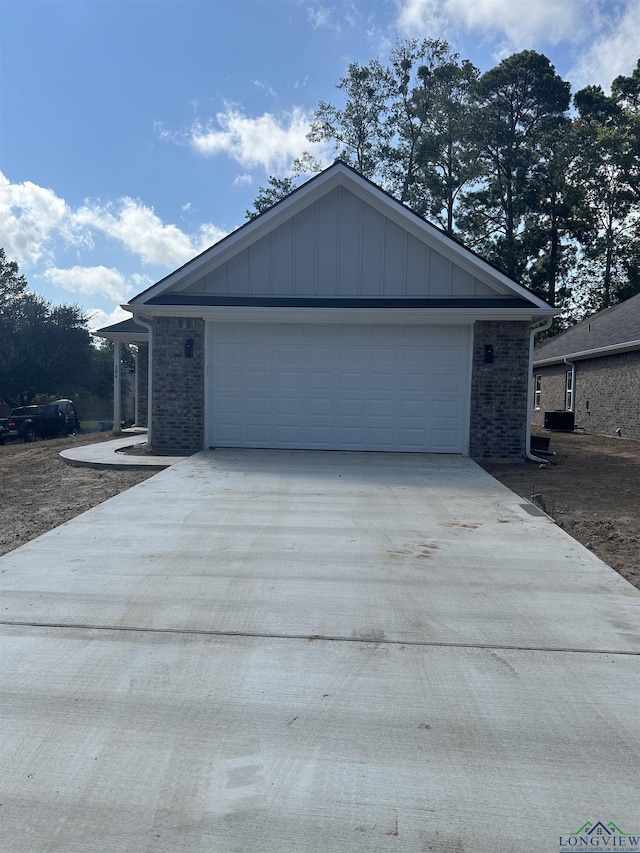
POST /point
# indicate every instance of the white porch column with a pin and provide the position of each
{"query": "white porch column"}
(116, 386)
(135, 351)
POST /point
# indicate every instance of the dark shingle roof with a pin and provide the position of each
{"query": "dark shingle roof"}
(128, 326)
(618, 326)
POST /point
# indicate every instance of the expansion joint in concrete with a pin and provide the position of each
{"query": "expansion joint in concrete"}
(324, 638)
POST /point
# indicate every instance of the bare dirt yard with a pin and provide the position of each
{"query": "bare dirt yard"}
(592, 492)
(39, 491)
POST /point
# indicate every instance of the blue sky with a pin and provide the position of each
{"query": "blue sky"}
(135, 134)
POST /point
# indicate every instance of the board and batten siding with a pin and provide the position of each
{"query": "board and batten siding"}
(340, 246)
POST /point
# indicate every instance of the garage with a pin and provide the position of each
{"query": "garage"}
(338, 319)
(338, 387)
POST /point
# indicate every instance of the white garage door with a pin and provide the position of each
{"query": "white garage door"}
(399, 388)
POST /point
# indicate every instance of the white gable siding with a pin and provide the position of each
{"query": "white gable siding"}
(340, 246)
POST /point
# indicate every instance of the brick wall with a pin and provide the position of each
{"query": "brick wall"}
(611, 386)
(552, 390)
(178, 386)
(606, 396)
(498, 422)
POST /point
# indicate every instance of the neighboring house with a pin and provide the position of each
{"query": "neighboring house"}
(339, 319)
(593, 370)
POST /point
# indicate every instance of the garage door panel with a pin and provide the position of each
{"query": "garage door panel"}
(255, 381)
(382, 408)
(259, 406)
(288, 407)
(382, 437)
(230, 407)
(447, 383)
(449, 409)
(382, 358)
(414, 409)
(450, 357)
(287, 381)
(352, 382)
(352, 408)
(443, 441)
(413, 383)
(321, 407)
(382, 383)
(259, 436)
(351, 436)
(338, 387)
(413, 437)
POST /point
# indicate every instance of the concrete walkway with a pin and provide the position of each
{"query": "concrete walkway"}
(109, 454)
(291, 652)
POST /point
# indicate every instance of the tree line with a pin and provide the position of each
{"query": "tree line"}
(543, 185)
(46, 350)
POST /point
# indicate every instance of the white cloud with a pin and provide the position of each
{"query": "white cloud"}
(99, 281)
(521, 23)
(137, 227)
(208, 234)
(35, 224)
(98, 318)
(605, 36)
(323, 17)
(266, 141)
(269, 90)
(243, 180)
(29, 216)
(614, 49)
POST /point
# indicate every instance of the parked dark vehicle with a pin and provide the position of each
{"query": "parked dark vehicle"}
(31, 422)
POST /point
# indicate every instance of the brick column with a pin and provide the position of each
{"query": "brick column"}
(178, 385)
(499, 390)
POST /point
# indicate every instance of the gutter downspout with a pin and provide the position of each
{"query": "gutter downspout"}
(536, 329)
(148, 326)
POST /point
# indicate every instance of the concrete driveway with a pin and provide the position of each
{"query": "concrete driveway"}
(297, 651)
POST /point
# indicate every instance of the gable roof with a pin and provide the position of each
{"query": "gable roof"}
(202, 281)
(611, 331)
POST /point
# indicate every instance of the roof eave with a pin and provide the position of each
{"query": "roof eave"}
(597, 352)
(265, 314)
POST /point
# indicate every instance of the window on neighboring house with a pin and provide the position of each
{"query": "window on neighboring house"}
(537, 391)
(568, 391)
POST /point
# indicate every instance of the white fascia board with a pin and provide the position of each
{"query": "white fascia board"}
(398, 316)
(583, 355)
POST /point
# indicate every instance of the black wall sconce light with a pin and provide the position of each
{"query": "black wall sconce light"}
(488, 354)
(188, 348)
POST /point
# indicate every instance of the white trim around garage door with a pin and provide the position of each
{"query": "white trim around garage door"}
(338, 387)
